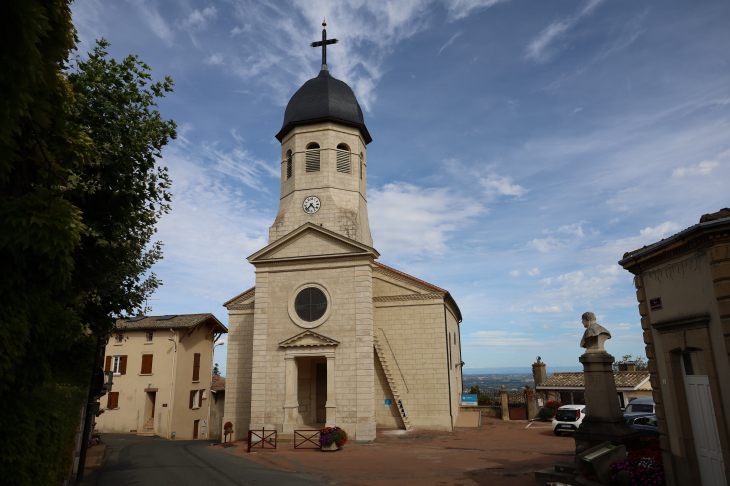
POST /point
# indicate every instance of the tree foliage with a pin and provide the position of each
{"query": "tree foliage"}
(639, 361)
(80, 194)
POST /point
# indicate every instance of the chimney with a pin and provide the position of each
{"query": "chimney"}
(630, 366)
(622, 366)
(539, 372)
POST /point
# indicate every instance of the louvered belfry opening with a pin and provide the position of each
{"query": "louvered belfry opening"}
(343, 158)
(289, 164)
(361, 166)
(311, 163)
(310, 304)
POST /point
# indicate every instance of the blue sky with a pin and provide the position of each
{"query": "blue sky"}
(519, 147)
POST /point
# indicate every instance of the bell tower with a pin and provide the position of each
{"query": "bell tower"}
(323, 159)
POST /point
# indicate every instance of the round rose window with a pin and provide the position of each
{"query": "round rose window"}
(310, 304)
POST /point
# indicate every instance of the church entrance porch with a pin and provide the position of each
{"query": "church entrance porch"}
(310, 391)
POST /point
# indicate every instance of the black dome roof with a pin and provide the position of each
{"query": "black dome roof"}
(323, 98)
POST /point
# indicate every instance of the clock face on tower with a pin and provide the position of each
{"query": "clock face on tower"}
(311, 205)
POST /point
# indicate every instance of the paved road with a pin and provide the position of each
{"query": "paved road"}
(141, 461)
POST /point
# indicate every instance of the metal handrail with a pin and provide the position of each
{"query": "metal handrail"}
(395, 359)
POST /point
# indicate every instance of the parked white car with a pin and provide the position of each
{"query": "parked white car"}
(568, 418)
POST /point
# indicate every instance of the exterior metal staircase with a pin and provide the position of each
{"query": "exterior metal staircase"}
(391, 382)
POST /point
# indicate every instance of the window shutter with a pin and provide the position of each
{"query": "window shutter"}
(108, 365)
(146, 364)
(200, 400)
(109, 400)
(289, 165)
(192, 398)
(123, 366)
(343, 161)
(312, 160)
(196, 367)
(116, 400)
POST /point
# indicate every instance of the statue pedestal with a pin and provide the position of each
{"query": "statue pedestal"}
(604, 420)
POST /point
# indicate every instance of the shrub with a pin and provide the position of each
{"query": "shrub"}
(644, 464)
(549, 410)
(328, 435)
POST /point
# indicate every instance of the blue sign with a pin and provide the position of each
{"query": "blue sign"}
(469, 400)
(388, 402)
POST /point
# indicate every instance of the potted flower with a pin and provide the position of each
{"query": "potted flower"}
(332, 438)
(227, 430)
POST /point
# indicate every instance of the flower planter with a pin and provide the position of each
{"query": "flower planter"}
(331, 447)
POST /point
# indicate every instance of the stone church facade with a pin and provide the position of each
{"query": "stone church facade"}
(328, 335)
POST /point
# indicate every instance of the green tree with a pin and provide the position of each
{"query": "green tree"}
(80, 195)
(216, 371)
(124, 192)
(639, 361)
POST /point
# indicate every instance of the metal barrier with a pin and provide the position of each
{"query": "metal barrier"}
(307, 439)
(264, 438)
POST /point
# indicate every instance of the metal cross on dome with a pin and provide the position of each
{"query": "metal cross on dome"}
(323, 43)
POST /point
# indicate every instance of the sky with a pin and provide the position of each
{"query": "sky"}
(520, 148)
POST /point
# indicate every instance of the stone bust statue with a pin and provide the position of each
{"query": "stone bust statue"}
(595, 334)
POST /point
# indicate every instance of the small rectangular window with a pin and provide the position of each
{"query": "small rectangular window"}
(146, 364)
(119, 338)
(117, 365)
(112, 400)
(311, 163)
(194, 400)
(149, 337)
(196, 367)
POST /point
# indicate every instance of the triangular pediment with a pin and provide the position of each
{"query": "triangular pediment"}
(310, 240)
(308, 338)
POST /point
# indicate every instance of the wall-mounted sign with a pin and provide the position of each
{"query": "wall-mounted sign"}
(388, 402)
(469, 400)
(656, 304)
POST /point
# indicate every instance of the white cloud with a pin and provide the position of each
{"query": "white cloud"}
(449, 42)
(496, 339)
(534, 272)
(495, 185)
(214, 59)
(458, 9)
(575, 229)
(198, 19)
(515, 273)
(703, 168)
(546, 244)
(407, 219)
(155, 22)
(538, 50)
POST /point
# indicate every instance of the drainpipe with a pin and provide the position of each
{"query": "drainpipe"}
(172, 381)
(448, 363)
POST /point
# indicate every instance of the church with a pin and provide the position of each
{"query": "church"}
(329, 336)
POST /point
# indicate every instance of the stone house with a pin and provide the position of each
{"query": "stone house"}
(569, 388)
(683, 290)
(162, 376)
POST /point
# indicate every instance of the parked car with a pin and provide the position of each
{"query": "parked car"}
(646, 425)
(568, 418)
(639, 408)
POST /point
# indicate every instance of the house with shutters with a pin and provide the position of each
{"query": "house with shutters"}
(162, 376)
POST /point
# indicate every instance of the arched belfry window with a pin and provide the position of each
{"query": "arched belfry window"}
(289, 164)
(362, 166)
(343, 158)
(311, 163)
